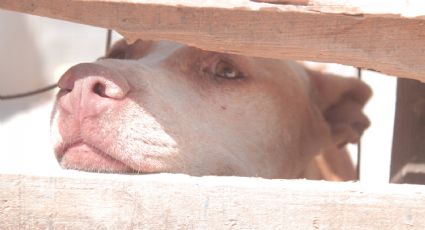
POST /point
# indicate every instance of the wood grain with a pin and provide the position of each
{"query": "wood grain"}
(387, 37)
(167, 201)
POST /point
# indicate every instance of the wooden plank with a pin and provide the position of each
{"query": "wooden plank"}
(388, 37)
(167, 201)
(411, 173)
(408, 153)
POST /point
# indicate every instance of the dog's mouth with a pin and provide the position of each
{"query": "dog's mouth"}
(85, 157)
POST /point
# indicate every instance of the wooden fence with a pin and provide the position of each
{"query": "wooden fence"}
(167, 201)
(387, 36)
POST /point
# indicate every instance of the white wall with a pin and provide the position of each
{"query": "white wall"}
(35, 51)
(377, 140)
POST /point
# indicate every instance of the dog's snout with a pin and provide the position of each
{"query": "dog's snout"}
(94, 78)
(88, 89)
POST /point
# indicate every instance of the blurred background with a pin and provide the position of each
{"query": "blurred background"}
(36, 51)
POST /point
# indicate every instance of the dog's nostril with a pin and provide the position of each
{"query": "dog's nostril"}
(100, 89)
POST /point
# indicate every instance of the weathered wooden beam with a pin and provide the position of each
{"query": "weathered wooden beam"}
(166, 201)
(408, 151)
(380, 35)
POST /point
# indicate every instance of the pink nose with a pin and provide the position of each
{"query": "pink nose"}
(89, 89)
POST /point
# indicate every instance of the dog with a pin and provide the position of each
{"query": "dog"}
(160, 106)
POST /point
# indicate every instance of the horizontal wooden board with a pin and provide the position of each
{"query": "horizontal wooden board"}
(167, 201)
(380, 35)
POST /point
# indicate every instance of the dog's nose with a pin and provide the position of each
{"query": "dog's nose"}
(89, 89)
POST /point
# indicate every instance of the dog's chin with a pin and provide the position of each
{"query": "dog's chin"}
(87, 158)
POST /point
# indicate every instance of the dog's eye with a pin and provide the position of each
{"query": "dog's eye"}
(225, 69)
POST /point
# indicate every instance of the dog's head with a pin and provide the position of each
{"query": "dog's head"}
(166, 107)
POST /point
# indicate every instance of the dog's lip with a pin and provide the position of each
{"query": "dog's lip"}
(66, 147)
(77, 148)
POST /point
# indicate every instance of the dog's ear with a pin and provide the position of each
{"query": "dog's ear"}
(341, 101)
